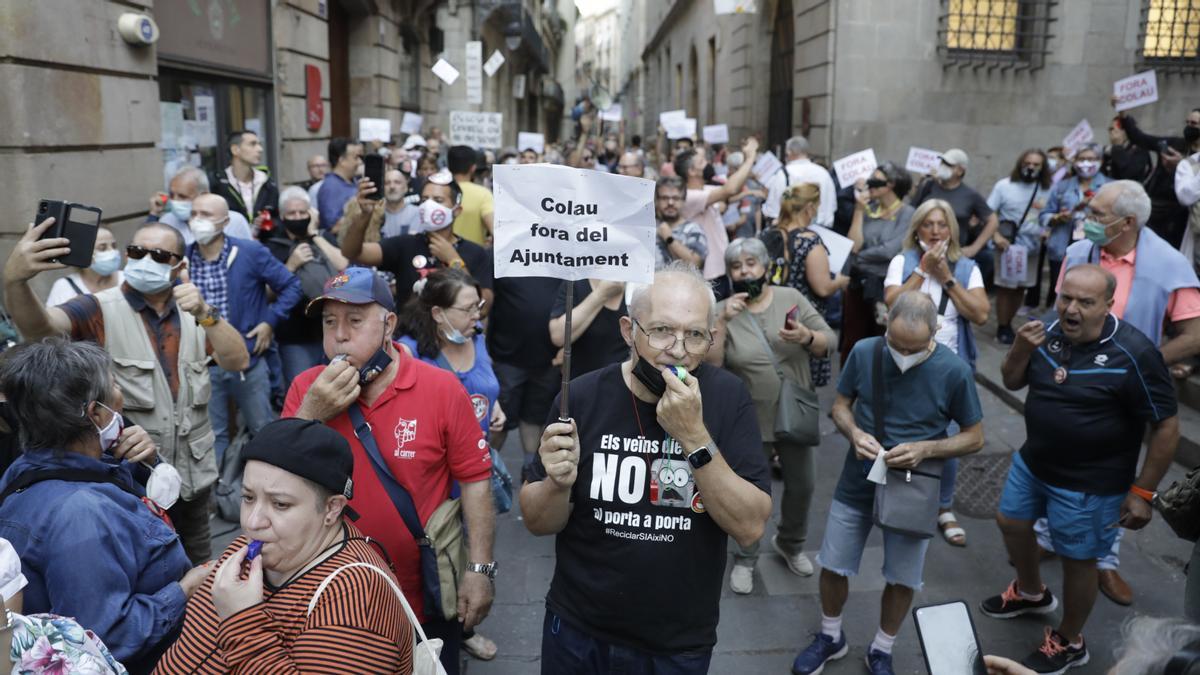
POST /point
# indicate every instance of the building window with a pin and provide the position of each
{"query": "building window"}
(1170, 34)
(1006, 34)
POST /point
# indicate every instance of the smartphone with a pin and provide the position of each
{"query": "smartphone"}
(949, 642)
(75, 222)
(792, 313)
(374, 167)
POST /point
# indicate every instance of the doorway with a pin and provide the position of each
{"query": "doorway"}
(783, 48)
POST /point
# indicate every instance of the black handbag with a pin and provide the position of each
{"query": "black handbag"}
(1180, 505)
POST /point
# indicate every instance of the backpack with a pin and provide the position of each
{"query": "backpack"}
(228, 491)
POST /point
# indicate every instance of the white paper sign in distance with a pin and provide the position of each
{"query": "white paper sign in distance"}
(716, 133)
(612, 113)
(1081, 135)
(474, 66)
(922, 161)
(493, 63)
(410, 123)
(1136, 90)
(528, 140)
(684, 128)
(374, 129)
(476, 129)
(852, 167)
(734, 7)
(667, 117)
(519, 86)
(568, 223)
(445, 72)
(839, 247)
(766, 166)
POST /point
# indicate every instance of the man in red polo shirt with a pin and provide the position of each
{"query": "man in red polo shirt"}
(424, 426)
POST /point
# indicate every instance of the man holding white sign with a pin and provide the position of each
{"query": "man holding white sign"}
(1168, 218)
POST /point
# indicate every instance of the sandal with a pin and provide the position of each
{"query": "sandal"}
(480, 647)
(953, 534)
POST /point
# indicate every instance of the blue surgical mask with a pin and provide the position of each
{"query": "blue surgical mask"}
(105, 263)
(180, 209)
(147, 276)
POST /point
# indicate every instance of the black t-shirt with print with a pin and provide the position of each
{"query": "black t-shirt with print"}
(408, 257)
(601, 344)
(639, 562)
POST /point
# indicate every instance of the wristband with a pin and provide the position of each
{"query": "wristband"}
(920, 272)
(1143, 493)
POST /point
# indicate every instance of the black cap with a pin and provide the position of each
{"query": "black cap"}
(308, 449)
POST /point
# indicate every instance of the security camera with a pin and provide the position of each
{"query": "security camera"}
(137, 29)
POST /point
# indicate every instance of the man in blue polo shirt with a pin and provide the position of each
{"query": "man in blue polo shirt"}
(925, 386)
(339, 185)
(1094, 383)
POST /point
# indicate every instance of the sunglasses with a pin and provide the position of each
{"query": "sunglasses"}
(156, 254)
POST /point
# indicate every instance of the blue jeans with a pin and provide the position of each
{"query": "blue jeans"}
(298, 358)
(251, 389)
(566, 649)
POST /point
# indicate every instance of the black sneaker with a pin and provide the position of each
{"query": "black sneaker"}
(1005, 335)
(1056, 655)
(1010, 604)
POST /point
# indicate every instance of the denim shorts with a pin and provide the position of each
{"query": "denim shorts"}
(846, 533)
(1081, 525)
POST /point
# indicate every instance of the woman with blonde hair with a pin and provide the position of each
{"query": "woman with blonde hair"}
(932, 262)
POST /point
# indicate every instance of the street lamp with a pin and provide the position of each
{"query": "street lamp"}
(512, 35)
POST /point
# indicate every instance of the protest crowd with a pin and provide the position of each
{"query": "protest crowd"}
(336, 365)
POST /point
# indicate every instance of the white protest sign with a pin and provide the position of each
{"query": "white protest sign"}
(374, 129)
(528, 140)
(684, 128)
(716, 133)
(567, 223)
(204, 130)
(1136, 90)
(734, 7)
(666, 118)
(519, 86)
(411, 123)
(922, 161)
(474, 61)
(766, 166)
(493, 63)
(852, 167)
(445, 72)
(1079, 136)
(612, 113)
(476, 129)
(839, 247)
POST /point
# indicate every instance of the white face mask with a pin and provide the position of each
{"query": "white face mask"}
(164, 485)
(147, 276)
(110, 435)
(204, 230)
(944, 173)
(905, 362)
(434, 217)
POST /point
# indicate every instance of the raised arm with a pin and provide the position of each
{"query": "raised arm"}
(29, 258)
(1015, 368)
(733, 186)
(351, 239)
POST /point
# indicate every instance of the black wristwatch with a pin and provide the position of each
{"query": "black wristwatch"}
(488, 570)
(669, 240)
(950, 283)
(703, 455)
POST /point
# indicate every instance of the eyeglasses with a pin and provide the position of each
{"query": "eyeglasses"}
(663, 338)
(470, 309)
(156, 254)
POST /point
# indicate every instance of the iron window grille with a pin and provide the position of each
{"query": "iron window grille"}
(995, 34)
(1169, 35)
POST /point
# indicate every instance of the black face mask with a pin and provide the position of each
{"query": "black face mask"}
(1028, 174)
(650, 375)
(876, 183)
(752, 287)
(373, 368)
(1190, 134)
(298, 227)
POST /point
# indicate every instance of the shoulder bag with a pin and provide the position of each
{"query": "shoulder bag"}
(798, 413)
(440, 542)
(426, 652)
(1180, 505)
(908, 503)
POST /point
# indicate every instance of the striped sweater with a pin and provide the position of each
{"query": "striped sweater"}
(357, 626)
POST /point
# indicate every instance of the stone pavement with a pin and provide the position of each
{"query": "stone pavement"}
(761, 632)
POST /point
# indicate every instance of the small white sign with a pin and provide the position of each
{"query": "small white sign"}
(734, 7)
(716, 133)
(528, 140)
(519, 86)
(1136, 90)
(411, 123)
(493, 63)
(839, 247)
(671, 115)
(853, 167)
(474, 66)
(922, 161)
(374, 129)
(612, 113)
(766, 166)
(445, 72)
(476, 129)
(567, 223)
(684, 128)
(1081, 135)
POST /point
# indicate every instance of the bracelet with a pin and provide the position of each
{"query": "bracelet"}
(920, 272)
(1143, 493)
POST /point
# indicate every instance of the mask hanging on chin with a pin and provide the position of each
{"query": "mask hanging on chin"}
(651, 375)
(110, 435)
(752, 287)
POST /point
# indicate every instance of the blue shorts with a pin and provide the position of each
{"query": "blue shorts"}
(1081, 525)
(846, 533)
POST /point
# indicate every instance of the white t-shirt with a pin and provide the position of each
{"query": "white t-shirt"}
(62, 290)
(947, 332)
(11, 578)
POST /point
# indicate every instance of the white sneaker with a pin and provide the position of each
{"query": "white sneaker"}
(798, 563)
(741, 579)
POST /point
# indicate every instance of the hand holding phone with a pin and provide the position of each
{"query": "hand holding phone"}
(949, 642)
(792, 316)
(76, 223)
